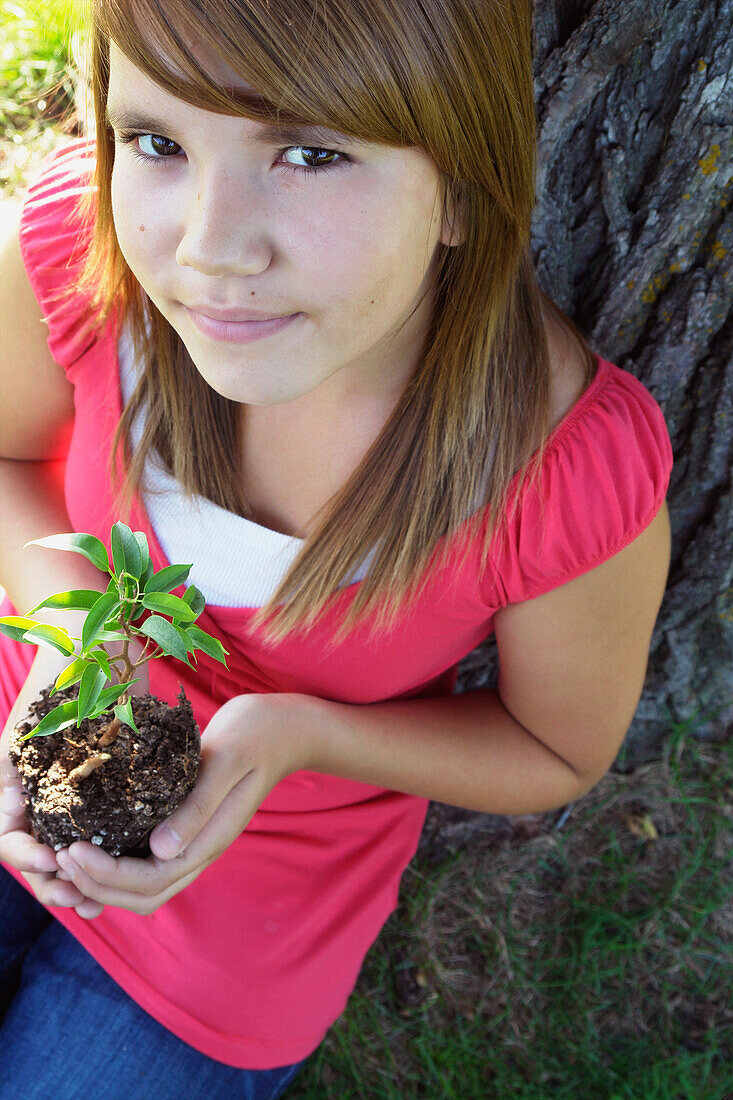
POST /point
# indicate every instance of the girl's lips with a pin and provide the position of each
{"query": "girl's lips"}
(237, 332)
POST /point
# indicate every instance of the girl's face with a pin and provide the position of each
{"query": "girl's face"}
(216, 217)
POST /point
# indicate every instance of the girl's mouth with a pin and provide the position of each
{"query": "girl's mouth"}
(237, 332)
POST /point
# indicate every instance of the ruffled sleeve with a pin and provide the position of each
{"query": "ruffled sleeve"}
(53, 243)
(604, 478)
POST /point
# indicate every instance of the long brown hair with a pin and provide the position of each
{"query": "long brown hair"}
(454, 78)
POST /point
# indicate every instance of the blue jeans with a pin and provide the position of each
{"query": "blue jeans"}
(71, 1033)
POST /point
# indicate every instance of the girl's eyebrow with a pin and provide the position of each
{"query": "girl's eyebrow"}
(124, 118)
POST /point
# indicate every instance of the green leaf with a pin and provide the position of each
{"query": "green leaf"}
(167, 579)
(183, 632)
(52, 637)
(92, 681)
(71, 674)
(167, 637)
(102, 660)
(110, 694)
(195, 598)
(80, 543)
(183, 635)
(97, 617)
(60, 718)
(79, 599)
(126, 551)
(124, 712)
(147, 566)
(105, 636)
(15, 626)
(165, 604)
(210, 646)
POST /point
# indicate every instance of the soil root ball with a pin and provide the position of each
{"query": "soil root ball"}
(122, 798)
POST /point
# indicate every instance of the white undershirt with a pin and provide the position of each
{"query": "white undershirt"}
(236, 563)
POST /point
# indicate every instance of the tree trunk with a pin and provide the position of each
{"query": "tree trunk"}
(632, 235)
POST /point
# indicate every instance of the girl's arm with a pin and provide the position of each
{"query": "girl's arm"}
(36, 417)
(36, 414)
(572, 669)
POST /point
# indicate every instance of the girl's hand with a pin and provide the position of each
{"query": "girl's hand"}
(38, 862)
(249, 745)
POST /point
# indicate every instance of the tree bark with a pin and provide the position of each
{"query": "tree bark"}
(632, 237)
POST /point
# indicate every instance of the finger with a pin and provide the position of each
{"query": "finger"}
(215, 781)
(50, 892)
(123, 881)
(224, 826)
(131, 883)
(142, 903)
(89, 909)
(12, 796)
(21, 851)
(9, 776)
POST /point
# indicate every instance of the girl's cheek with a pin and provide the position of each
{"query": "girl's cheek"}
(123, 213)
(132, 209)
(141, 236)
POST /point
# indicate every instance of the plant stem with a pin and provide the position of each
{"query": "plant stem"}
(129, 666)
(110, 731)
(145, 656)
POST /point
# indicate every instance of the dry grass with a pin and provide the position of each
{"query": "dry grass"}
(585, 961)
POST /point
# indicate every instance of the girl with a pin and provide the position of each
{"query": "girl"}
(281, 315)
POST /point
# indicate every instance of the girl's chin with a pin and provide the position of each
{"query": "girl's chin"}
(233, 385)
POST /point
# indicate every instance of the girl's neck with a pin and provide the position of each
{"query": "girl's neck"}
(293, 461)
(297, 455)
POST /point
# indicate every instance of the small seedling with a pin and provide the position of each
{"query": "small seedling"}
(114, 616)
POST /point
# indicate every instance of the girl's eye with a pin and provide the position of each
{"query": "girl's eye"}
(154, 148)
(319, 167)
(155, 145)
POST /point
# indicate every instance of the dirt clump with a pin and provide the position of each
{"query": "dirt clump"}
(116, 801)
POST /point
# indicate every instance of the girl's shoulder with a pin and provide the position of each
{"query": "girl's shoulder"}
(54, 238)
(604, 476)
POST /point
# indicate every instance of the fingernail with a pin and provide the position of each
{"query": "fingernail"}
(46, 863)
(11, 800)
(66, 864)
(89, 909)
(168, 844)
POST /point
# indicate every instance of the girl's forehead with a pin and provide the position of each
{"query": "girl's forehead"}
(216, 68)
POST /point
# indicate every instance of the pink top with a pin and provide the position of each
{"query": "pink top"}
(253, 961)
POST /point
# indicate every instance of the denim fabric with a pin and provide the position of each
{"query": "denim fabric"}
(71, 1033)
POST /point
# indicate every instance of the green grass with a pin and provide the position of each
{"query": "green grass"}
(35, 55)
(36, 82)
(587, 964)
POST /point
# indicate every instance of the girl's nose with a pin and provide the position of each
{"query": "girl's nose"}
(220, 234)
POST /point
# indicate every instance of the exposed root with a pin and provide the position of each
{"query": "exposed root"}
(109, 733)
(88, 766)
